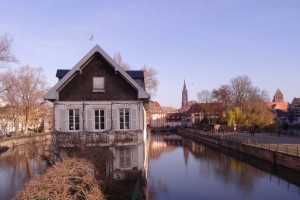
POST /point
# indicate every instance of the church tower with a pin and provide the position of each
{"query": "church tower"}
(184, 103)
(278, 97)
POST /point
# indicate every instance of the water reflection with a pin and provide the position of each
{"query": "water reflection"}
(16, 167)
(183, 169)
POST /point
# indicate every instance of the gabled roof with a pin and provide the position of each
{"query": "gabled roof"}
(138, 74)
(60, 73)
(296, 101)
(52, 94)
(154, 107)
(278, 105)
(135, 74)
(210, 107)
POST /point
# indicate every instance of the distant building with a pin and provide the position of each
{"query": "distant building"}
(174, 119)
(192, 102)
(278, 97)
(185, 101)
(279, 107)
(199, 111)
(294, 111)
(155, 115)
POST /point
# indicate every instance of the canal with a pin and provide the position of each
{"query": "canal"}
(17, 166)
(178, 169)
(182, 169)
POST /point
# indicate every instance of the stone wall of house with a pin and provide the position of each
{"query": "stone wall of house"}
(80, 88)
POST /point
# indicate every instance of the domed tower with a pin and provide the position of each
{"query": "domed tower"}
(278, 97)
(185, 102)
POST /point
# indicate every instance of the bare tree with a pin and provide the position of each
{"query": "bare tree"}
(204, 96)
(151, 82)
(27, 87)
(222, 94)
(7, 81)
(5, 49)
(118, 59)
(250, 101)
(241, 87)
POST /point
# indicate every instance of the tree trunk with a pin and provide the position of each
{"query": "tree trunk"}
(26, 121)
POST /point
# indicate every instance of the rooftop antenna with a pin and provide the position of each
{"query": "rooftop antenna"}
(91, 38)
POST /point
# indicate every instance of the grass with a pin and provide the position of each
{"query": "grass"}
(17, 137)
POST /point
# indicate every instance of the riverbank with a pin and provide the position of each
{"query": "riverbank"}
(3, 149)
(283, 151)
(24, 139)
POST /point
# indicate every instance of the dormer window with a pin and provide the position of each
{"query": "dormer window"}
(98, 84)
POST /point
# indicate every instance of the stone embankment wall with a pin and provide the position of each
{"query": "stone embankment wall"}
(275, 157)
(22, 141)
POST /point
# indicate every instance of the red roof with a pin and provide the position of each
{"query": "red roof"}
(154, 108)
(278, 105)
(174, 117)
(209, 107)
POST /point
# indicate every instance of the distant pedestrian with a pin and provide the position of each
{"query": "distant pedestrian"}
(234, 128)
(252, 131)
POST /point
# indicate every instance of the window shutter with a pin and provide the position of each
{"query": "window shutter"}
(89, 124)
(108, 119)
(135, 156)
(98, 83)
(128, 154)
(114, 119)
(63, 120)
(122, 157)
(133, 119)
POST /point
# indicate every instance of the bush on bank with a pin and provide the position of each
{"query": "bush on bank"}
(73, 178)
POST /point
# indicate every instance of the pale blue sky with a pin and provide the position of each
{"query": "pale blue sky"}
(205, 42)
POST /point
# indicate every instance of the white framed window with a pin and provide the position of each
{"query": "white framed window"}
(74, 119)
(125, 157)
(124, 114)
(99, 119)
(98, 84)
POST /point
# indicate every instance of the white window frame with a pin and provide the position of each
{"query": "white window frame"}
(74, 118)
(122, 118)
(125, 157)
(99, 120)
(98, 84)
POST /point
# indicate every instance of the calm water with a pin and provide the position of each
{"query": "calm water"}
(182, 169)
(178, 169)
(16, 168)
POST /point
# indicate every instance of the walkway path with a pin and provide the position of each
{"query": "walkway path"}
(284, 143)
(267, 138)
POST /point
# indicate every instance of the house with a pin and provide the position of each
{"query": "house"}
(155, 115)
(174, 119)
(200, 111)
(104, 105)
(278, 96)
(279, 107)
(294, 112)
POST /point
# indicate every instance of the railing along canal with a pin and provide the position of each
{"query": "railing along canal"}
(282, 148)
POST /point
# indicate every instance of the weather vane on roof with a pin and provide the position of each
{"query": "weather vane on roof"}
(91, 38)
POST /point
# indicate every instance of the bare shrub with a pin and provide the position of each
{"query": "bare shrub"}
(73, 178)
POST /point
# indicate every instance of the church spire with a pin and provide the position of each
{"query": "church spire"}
(184, 103)
(278, 97)
(184, 86)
